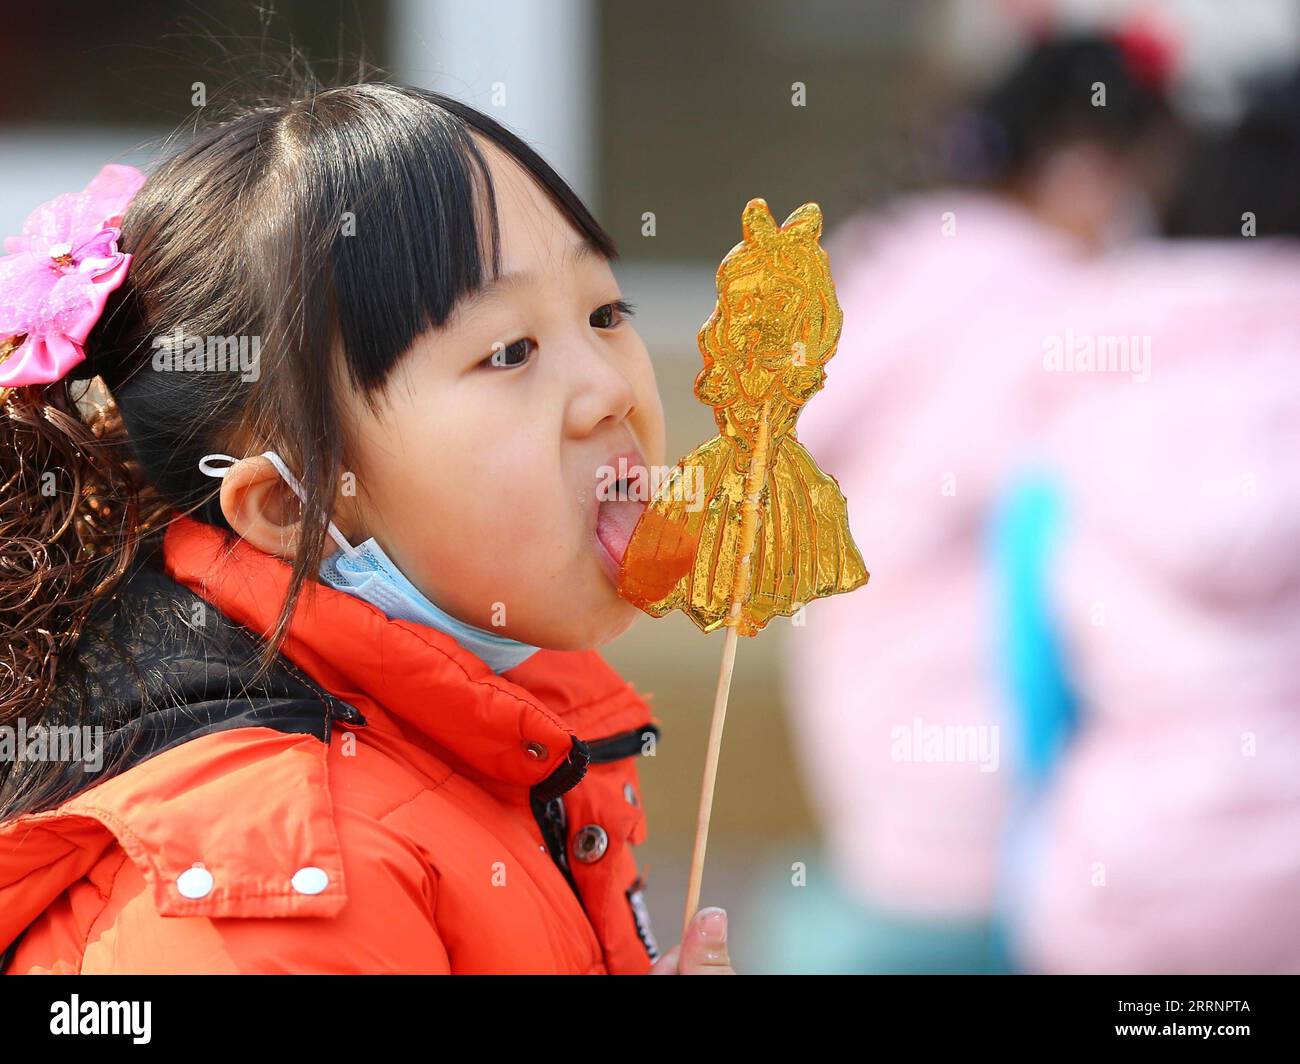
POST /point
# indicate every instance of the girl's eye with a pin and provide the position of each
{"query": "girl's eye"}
(611, 314)
(510, 355)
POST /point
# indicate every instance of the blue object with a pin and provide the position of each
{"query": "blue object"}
(1025, 531)
(366, 572)
(822, 928)
(373, 577)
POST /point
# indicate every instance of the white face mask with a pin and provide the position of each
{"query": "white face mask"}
(367, 573)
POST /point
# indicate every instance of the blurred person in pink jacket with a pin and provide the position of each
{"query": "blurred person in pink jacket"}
(885, 686)
(1148, 572)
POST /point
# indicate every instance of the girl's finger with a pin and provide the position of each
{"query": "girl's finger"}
(704, 950)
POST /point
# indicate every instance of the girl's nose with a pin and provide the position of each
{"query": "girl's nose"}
(601, 388)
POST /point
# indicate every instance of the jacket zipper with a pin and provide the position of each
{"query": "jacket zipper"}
(552, 820)
(546, 798)
(335, 707)
(548, 808)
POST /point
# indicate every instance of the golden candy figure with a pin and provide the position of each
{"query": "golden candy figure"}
(765, 346)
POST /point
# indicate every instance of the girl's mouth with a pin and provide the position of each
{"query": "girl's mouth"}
(617, 515)
(615, 521)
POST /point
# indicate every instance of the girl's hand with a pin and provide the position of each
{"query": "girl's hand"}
(704, 952)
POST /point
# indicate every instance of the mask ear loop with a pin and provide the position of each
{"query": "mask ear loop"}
(210, 470)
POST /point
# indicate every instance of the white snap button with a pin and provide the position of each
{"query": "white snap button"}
(310, 880)
(629, 792)
(195, 882)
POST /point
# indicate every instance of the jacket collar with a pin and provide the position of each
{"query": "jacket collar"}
(412, 680)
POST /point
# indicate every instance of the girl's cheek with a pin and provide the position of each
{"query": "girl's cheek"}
(648, 418)
(651, 430)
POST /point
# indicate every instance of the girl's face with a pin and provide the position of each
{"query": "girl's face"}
(482, 475)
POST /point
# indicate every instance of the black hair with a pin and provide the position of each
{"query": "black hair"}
(353, 215)
(1045, 100)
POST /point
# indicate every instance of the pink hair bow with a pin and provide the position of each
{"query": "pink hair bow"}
(58, 276)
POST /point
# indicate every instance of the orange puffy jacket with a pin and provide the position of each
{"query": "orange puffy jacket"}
(383, 802)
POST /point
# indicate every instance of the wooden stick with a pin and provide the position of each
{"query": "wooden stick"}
(710, 775)
(754, 478)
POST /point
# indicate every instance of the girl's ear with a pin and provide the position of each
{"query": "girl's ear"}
(261, 507)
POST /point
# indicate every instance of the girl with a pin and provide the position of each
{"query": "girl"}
(339, 711)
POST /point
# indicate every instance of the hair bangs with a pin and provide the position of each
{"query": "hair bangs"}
(418, 223)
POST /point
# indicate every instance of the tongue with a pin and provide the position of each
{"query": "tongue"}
(615, 521)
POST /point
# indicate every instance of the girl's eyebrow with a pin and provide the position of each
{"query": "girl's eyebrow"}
(496, 288)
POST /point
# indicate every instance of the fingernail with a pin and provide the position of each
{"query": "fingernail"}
(713, 925)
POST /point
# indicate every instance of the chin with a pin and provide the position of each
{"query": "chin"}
(622, 618)
(604, 625)
(618, 617)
